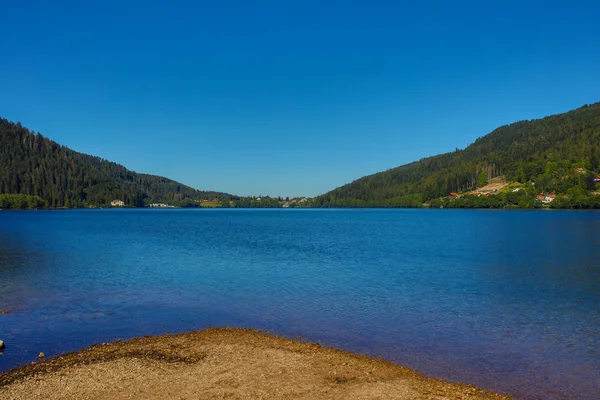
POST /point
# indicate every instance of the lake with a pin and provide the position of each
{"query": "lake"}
(505, 300)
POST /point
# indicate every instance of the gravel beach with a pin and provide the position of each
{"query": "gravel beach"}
(223, 363)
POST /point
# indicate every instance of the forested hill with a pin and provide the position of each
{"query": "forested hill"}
(546, 150)
(34, 165)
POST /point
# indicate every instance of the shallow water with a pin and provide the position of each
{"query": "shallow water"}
(506, 300)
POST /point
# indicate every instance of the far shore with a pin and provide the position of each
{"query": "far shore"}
(221, 363)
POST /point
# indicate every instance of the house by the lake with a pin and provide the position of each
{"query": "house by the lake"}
(548, 198)
(117, 203)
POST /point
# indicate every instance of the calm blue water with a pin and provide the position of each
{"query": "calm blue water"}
(504, 300)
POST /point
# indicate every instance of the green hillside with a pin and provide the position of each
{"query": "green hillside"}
(33, 165)
(548, 151)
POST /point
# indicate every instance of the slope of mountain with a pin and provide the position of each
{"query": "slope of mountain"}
(559, 152)
(34, 165)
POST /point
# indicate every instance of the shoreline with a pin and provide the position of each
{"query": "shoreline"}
(224, 362)
(307, 208)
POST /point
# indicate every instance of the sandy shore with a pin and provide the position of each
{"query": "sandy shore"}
(219, 364)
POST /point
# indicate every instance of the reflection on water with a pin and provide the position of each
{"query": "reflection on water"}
(504, 300)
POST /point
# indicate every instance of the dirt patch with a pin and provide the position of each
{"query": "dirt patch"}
(223, 363)
(493, 187)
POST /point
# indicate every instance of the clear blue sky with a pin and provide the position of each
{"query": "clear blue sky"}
(289, 98)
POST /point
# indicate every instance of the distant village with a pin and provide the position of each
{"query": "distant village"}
(252, 201)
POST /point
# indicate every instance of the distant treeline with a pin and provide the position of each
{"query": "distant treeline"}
(255, 202)
(560, 153)
(34, 165)
(21, 202)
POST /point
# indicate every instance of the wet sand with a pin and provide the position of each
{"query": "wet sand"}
(223, 363)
